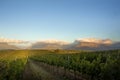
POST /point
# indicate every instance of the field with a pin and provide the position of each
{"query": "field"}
(59, 65)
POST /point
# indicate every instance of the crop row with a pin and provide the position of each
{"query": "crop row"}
(102, 65)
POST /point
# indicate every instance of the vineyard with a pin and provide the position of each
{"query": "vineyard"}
(102, 65)
(12, 64)
(68, 65)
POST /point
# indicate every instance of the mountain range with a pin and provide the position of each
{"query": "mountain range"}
(79, 44)
(4, 46)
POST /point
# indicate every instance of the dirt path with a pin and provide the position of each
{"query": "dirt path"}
(28, 74)
(34, 71)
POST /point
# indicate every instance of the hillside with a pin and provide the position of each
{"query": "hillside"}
(7, 46)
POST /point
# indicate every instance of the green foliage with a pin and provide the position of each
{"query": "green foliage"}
(102, 65)
(12, 64)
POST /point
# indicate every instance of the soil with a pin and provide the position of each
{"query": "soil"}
(35, 70)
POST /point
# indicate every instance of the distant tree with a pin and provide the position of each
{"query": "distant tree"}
(57, 51)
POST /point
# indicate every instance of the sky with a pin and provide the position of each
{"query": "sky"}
(60, 19)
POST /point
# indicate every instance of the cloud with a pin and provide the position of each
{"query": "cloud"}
(54, 41)
(78, 44)
(95, 40)
(49, 44)
(12, 41)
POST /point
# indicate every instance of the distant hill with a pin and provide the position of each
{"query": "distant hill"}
(4, 46)
(92, 46)
(51, 44)
(78, 45)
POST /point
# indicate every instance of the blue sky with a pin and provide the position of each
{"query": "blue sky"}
(60, 19)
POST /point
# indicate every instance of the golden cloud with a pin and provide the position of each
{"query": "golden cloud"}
(95, 40)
